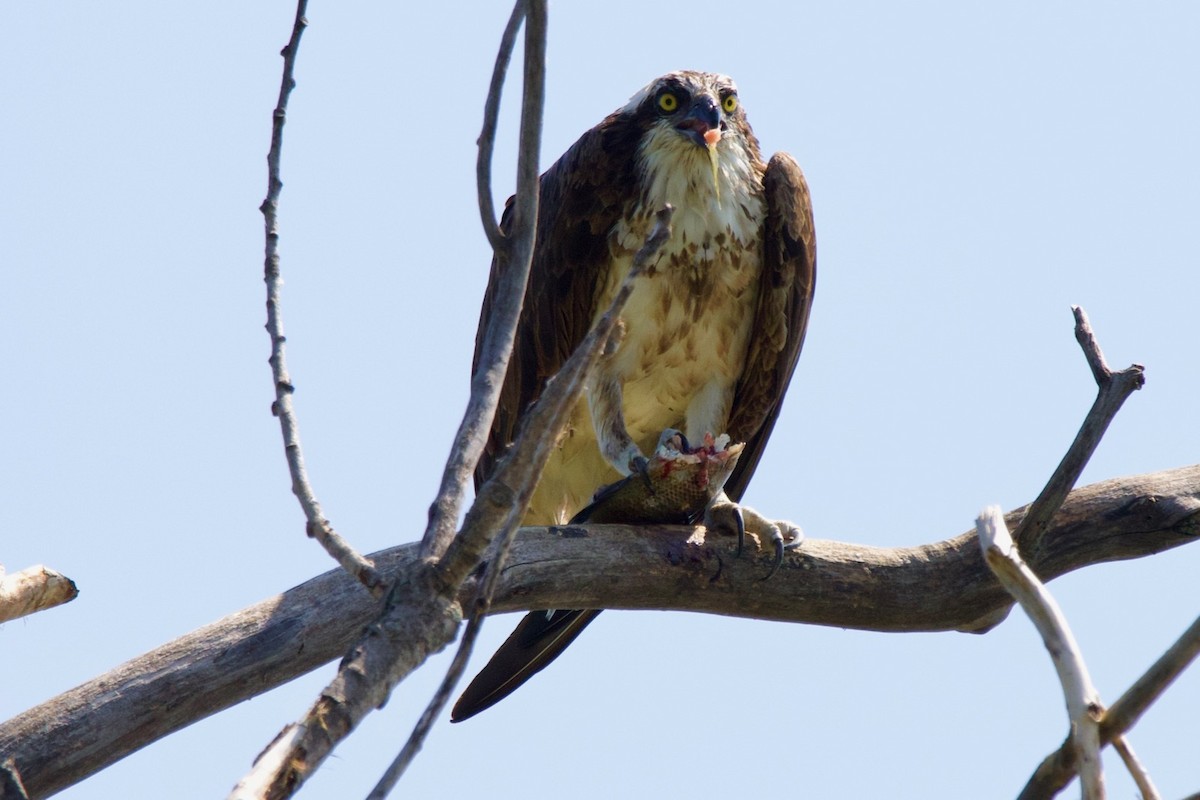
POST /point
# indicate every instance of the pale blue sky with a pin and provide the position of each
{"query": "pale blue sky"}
(975, 171)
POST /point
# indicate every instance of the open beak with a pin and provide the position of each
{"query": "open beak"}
(702, 123)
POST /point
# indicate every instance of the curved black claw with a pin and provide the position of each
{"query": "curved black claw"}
(778, 558)
(640, 465)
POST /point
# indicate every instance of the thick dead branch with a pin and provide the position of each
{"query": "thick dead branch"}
(32, 590)
(270, 762)
(940, 586)
(417, 621)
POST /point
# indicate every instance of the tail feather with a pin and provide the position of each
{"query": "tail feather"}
(542, 635)
(539, 639)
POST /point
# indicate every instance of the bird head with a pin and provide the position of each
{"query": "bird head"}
(693, 123)
(699, 107)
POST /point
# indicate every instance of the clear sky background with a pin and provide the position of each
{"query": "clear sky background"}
(976, 169)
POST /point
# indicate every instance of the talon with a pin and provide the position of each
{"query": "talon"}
(673, 439)
(778, 556)
(641, 466)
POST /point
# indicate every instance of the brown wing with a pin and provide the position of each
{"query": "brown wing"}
(582, 196)
(785, 298)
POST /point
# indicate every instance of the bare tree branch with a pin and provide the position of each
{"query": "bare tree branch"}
(417, 621)
(1124, 714)
(940, 586)
(487, 138)
(1114, 388)
(503, 499)
(318, 527)
(32, 590)
(421, 615)
(517, 252)
(430, 715)
(269, 763)
(1058, 768)
(1083, 701)
(1141, 777)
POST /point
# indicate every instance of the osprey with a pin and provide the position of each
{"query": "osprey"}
(712, 330)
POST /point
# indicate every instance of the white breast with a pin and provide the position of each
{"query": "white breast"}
(687, 323)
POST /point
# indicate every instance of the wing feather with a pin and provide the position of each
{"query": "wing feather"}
(583, 195)
(539, 638)
(785, 299)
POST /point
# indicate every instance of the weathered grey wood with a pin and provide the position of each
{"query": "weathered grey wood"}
(940, 586)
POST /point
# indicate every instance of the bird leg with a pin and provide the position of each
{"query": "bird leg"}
(725, 516)
(608, 420)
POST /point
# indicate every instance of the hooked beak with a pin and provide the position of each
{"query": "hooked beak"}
(702, 124)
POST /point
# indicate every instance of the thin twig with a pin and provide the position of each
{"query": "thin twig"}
(1083, 701)
(1114, 388)
(516, 253)
(487, 137)
(1058, 768)
(1138, 772)
(318, 527)
(1091, 347)
(432, 712)
(520, 470)
(1129, 707)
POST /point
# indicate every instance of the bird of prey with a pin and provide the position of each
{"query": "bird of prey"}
(712, 330)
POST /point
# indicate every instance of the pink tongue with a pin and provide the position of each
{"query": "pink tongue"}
(712, 137)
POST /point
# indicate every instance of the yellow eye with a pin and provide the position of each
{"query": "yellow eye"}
(668, 102)
(729, 104)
